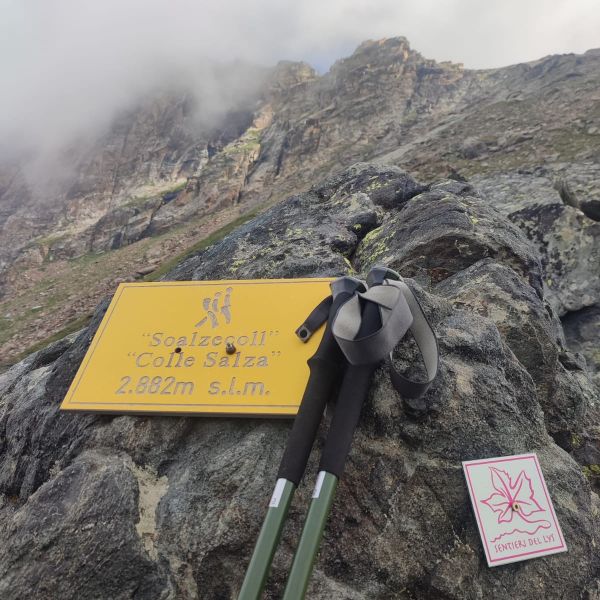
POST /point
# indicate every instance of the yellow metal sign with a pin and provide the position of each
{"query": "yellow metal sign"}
(206, 347)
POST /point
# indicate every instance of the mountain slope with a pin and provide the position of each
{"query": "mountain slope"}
(160, 172)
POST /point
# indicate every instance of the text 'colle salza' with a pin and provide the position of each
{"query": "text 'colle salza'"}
(255, 338)
(213, 359)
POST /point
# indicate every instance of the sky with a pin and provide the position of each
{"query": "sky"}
(68, 66)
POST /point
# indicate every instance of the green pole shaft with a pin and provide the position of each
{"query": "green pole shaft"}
(268, 540)
(308, 548)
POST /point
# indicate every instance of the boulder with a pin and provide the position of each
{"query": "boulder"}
(445, 230)
(552, 217)
(582, 330)
(571, 253)
(473, 148)
(591, 208)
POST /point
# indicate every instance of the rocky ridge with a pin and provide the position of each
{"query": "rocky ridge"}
(154, 507)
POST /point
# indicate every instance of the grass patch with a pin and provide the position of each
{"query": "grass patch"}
(155, 195)
(201, 245)
(51, 239)
(248, 142)
(5, 324)
(71, 327)
(141, 201)
(178, 188)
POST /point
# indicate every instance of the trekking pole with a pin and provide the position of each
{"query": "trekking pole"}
(365, 348)
(326, 367)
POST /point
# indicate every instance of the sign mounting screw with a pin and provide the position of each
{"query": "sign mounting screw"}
(229, 348)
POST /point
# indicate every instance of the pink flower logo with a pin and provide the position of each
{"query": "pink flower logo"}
(512, 498)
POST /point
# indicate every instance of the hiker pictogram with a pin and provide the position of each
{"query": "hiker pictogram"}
(214, 311)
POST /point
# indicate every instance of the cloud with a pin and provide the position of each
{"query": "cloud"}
(68, 66)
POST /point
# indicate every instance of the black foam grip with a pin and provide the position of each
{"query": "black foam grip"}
(353, 393)
(326, 368)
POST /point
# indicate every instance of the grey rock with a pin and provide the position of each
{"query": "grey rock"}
(473, 148)
(570, 401)
(387, 186)
(567, 240)
(455, 186)
(591, 208)
(122, 226)
(582, 330)
(570, 256)
(80, 524)
(438, 234)
(306, 235)
(103, 507)
(512, 191)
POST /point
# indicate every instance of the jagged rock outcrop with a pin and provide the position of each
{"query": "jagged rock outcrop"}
(117, 507)
(570, 244)
(566, 238)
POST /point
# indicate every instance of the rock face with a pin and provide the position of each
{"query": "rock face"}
(118, 507)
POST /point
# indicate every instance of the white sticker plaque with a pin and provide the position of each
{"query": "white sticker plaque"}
(513, 509)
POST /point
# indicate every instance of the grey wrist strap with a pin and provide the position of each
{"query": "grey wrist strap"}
(396, 318)
(427, 343)
(400, 311)
(314, 321)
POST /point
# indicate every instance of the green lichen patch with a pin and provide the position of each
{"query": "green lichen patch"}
(576, 440)
(592, 472)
